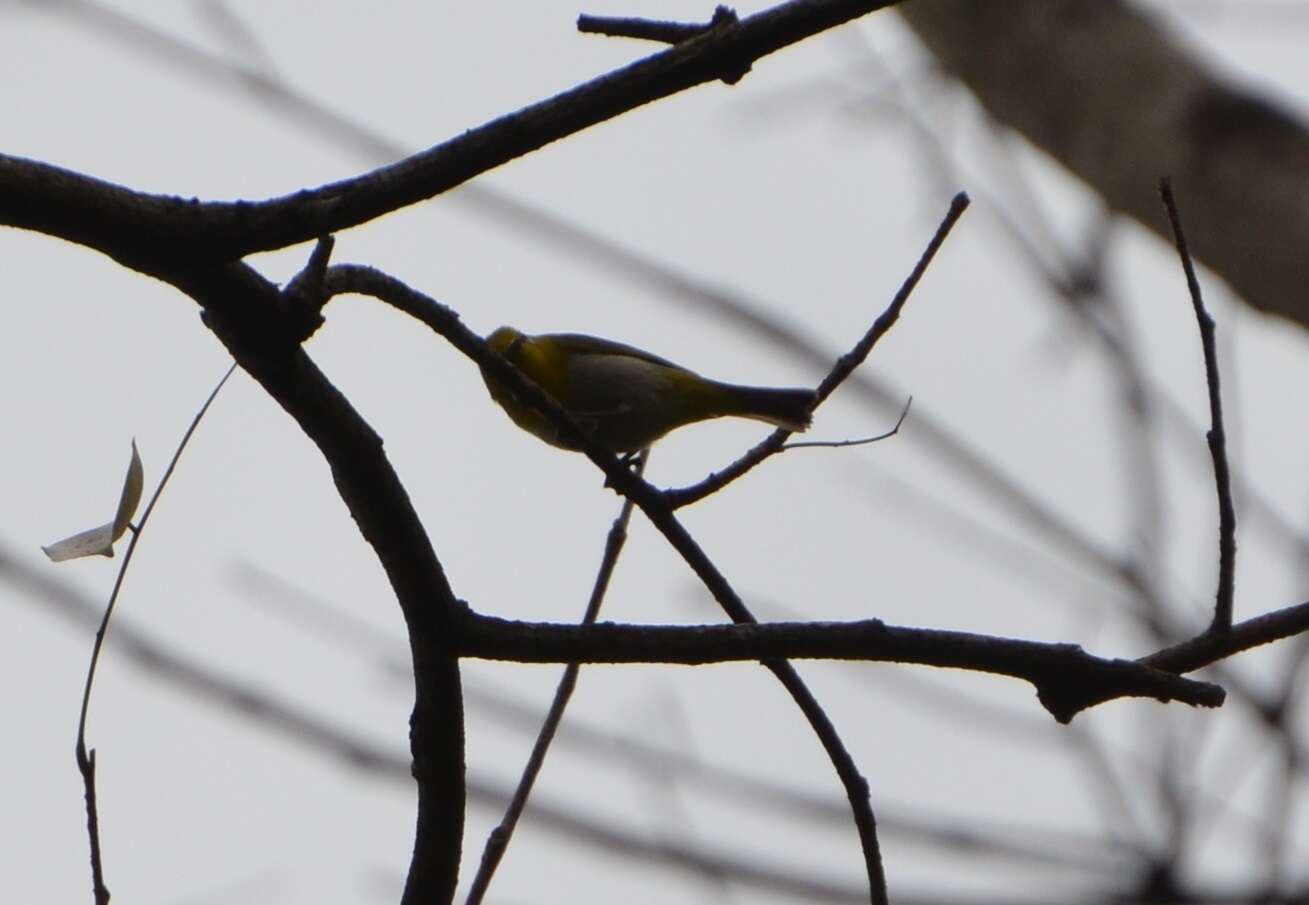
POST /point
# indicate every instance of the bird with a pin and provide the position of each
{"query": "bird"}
(625, 397)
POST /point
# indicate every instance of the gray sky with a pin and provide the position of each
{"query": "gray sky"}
(803, 190)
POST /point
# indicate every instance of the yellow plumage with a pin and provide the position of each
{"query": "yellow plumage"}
(626, 397)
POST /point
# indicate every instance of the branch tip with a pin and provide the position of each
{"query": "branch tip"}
(1216, 436)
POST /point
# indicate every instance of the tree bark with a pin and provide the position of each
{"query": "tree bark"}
(1113, 96)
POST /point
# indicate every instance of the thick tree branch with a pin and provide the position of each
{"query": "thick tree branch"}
(242, 308)
(1111, 95)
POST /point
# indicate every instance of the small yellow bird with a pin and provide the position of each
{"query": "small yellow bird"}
(628, 398)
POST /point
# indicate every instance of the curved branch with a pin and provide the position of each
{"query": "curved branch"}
(244, 310)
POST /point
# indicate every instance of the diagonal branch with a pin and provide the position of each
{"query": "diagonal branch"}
(152, 233)
(1210, 647)
(499, 838)
(844, 367)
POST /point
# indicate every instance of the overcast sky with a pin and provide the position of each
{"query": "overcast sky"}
(806, 193)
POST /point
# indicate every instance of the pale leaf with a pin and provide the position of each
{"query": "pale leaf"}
(100, 541)
(131, 498)
(96, 542)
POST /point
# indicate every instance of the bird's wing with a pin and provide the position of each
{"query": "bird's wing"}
(618, 384)
(581, 344)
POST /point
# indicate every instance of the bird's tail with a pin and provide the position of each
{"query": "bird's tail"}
(791, 409)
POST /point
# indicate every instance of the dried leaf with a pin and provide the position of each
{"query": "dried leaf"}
(97, 541)
(100, 541)
(131, 498)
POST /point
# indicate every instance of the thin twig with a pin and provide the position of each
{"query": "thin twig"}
(498, 840)
(1216, 436)
(843, 368)
(862, 441)
(668, 33)
(86, 766)
(86, 759)
(651, 29)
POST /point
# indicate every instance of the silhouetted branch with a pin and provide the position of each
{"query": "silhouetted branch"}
(499, 838)
(651, 29)
(154, 233)
(844, 367)
(1067, 679)
(1216, 436)
(85, 758)
(860, 441)
(243, 309)
(1218, 645)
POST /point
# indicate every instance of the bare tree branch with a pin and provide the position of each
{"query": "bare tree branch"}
(154, 233)
(1216, 436)
(498, 840)
(1067, 679)
(652, 30)
(844, 367)
(1211, 647)
(244, 310)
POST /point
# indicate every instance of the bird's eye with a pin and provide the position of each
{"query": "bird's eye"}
(511, 352)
